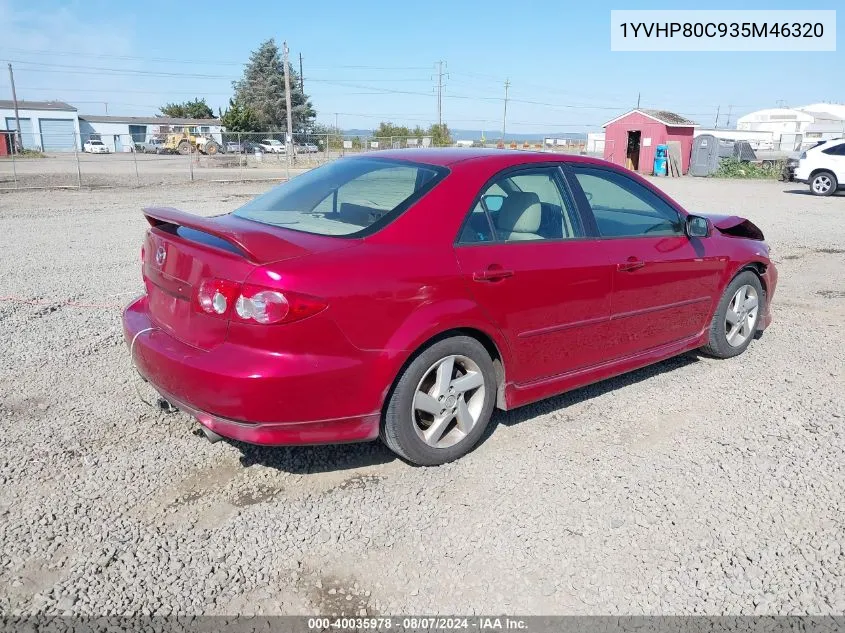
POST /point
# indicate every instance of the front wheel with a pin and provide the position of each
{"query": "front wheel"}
(442, 402)
(823, 184)
(737, 316)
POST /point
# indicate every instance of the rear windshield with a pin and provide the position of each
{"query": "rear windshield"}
(352, 197)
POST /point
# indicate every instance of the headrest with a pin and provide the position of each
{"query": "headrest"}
(520, 213)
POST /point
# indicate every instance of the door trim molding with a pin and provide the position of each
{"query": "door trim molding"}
(667, 306)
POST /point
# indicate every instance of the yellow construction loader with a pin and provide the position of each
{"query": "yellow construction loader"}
(189, 140)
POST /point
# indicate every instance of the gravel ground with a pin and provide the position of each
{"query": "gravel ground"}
(694, 486)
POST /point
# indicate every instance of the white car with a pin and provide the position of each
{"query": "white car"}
(823, 167)
(95, 147)
(272, 146)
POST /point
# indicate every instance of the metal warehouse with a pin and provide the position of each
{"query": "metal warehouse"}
(50, 126)
(631, 138)
(55, 126)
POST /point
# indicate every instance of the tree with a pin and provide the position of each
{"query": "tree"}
(239, 118)
(440, 135)
(326, 133)
(386, 129)
(262, 90)
(196, 109)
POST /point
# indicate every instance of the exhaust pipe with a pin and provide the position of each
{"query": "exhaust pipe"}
(210, 435)
(165, 406)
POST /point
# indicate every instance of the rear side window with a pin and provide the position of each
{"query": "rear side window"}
(350, 197)
(836, 150)
(624, 208)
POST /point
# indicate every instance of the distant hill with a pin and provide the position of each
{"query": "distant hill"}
(490, 135)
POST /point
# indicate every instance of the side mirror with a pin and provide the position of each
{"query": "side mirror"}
(492, 203)
(697, 226)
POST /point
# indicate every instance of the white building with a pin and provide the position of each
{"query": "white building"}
(791, 128)
(49, 126)
(595, 143)
(119, 133)
(55, 126)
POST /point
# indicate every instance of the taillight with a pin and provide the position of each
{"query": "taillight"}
(263, 306)
(255, 304)
(217, 297)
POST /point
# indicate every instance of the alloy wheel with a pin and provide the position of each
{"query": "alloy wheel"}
(822, 184)
(741, 316)
(448, 401)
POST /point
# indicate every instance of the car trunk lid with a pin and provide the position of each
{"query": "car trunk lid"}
(182, 250)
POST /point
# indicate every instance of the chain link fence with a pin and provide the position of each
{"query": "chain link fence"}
(35, 161)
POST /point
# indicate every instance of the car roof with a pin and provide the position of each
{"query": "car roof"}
(500, 157)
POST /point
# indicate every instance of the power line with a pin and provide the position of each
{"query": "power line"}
(170, 60)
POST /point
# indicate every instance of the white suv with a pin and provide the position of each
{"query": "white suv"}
(823, 167)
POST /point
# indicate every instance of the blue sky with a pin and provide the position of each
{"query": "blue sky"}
(360, 57)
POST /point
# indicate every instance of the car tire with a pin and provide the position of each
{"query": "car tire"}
(410, 428)
(735, 322)
(823, 184)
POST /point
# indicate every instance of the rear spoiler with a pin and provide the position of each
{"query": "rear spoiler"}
(255, 242)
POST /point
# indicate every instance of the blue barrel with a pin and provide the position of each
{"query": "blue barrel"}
(660, 153)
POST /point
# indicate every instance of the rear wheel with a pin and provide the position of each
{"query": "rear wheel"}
(442, 402)
(736, 317)
(823, 184)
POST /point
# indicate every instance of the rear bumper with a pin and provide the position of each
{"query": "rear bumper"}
(258, 396)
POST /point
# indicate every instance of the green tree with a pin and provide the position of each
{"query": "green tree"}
(440, 135)
(196, 109)
(386, 129)
(322, 133)
(262, 90)
(239, 118)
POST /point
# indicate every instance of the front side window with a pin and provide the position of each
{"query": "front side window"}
(624, 208)
(525, 205)
(345, 197)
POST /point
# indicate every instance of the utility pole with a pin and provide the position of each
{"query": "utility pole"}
(301, 79)
(18, 141)
(505, 115)
(638, 101)
(106, 104)
(728, 124)
(440, 75)
(289, 134)
(716, 124)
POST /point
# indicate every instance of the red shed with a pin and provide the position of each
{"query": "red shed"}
(630, 139)
(5, 142)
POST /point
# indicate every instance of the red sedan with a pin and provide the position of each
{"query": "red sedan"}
(406, 294)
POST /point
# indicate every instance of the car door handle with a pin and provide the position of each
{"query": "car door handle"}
(493, 273)
(631, 264)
